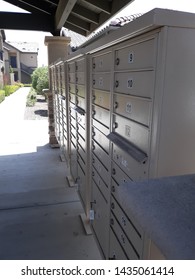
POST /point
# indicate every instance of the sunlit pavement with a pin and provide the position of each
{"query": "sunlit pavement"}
(39, 212)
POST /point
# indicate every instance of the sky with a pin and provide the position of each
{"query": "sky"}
(138, 6)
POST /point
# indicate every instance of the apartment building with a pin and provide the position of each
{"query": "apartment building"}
(22, 58)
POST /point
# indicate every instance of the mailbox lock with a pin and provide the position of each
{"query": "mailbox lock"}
(111, 222)
(113, 188)
(93, 82)
(112, 205)
(117, 61)
(113, 171)
(115, 105)
(116, 84)
(94, 65)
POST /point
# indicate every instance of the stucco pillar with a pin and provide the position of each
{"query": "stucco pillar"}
(57, 47)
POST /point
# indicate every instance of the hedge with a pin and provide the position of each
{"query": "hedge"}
(10, 89)
(2, 95)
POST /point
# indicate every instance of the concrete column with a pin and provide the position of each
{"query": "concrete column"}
(57, 48)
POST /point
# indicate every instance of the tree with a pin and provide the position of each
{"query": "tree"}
(40, 79)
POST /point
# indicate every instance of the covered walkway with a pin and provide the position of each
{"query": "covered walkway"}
(39, 213)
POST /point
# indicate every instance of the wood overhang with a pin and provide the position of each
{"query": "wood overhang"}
(81, 16)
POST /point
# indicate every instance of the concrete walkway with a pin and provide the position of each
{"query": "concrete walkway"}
(39, 213)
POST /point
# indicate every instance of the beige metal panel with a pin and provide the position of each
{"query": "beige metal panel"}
(81, 183)
(81, 131)
(82, 152)
(73, 121)
(134, 108)
(115, 250)
(101, 115)
(134, 233)
(102, 63)
(80, 90)
(176, 109)
(81, 163)
(71, 67)
(101, 155)
(80, 65)
(104, 129)
(119, 176)
(81, 102)
(101, 222)
(101, 185)
(135, 83)
(123, 240)
(80, 78)
(101, 98)
(134, 169)
(133, 132)
(135, 55)
(72, 98)
(81, 119)
(71, 78)
(101, 139)
(72, 88)
(101, 81)
(82, 142)
(73, 161)
(101, 169)
(73, 138)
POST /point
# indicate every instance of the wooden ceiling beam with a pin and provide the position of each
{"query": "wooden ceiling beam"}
(63, 11)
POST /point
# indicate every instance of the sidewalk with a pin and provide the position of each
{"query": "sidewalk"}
(39, 213)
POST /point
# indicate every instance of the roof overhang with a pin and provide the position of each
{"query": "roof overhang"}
(81, 16)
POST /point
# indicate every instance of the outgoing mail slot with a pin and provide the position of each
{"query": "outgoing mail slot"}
(135, 83)
(136, 56)
(101, 115)
(136, 170)
(133, 132)
(102, 63)
(133, 231)
(101, 81)
(101, 98)
(134, 108)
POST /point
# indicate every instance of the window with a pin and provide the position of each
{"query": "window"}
(1, 55)
(13, 61)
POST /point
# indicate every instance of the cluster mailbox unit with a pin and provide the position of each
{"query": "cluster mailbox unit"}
(125, 111)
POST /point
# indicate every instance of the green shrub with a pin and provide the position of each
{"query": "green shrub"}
(2, 95)
(10, 89)
(31, 98)
(27, 85)
(40, 79)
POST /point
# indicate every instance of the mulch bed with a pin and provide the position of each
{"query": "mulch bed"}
(37, 112)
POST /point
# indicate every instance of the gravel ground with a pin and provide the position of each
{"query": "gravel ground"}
(37, 112)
